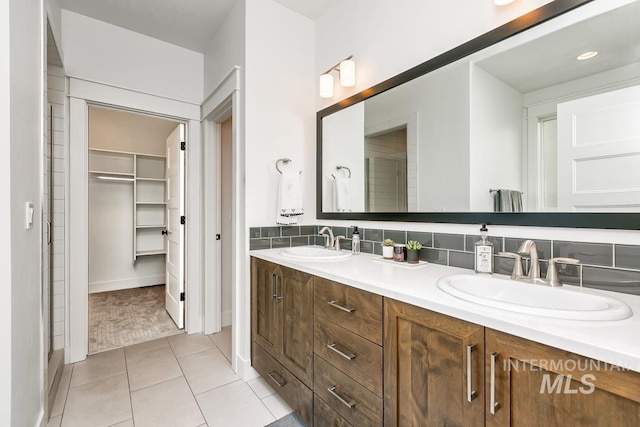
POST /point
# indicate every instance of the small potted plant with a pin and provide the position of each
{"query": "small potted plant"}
(387, 248)
(413, 251)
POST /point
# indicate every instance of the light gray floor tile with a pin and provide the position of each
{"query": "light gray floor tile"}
(277, 406)
(61, 394)
(167, 404)
(234, 404)
(128, 423)
(261, 387)
(222, 340)
(207, 370)
(55, 421)
(185, 345)
(100, 403)
(152, 367)
(98, 366)
(145, 346)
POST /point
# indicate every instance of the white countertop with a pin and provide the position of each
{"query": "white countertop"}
(615, 342)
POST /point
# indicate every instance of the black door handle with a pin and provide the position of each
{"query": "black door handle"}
(165, 232)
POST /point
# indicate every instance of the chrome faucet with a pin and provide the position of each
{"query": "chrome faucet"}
(528, 247)
(329, 240)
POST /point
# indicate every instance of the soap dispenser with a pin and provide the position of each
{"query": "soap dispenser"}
(483, 251)
(355, 241)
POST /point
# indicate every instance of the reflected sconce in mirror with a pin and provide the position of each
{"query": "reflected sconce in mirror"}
(347, 71)
(502, 2)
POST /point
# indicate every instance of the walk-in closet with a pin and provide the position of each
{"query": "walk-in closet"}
(129, 211)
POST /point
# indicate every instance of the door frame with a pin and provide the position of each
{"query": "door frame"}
(224, 102)
(83, 93)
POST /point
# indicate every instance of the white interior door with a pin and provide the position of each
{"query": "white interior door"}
(175, 230)
(599, 153)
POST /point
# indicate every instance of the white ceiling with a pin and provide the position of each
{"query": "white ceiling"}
(551, 60)
(190, 24)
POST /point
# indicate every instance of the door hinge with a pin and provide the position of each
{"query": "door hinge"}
(217, 237)
(183, 145)
(181, 296)
(183, 220)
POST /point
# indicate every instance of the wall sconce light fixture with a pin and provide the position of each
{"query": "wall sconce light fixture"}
(502, 2)
(347, 71)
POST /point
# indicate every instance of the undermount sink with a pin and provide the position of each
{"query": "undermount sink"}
(310, 253)
(538, 300)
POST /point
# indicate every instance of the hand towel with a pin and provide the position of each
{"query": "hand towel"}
(507, 201)
(342, 193)
(289, 198)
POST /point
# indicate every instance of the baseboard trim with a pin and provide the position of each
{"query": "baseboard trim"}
(245, 370)
(117, 285)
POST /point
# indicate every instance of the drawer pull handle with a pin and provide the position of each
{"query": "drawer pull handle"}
(493, 405)
(339, 307)
(471, 394)
(345, 355)
(349, 404)
(280, 382)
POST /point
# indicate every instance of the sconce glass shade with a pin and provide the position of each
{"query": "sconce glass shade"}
(326, 86)
(502, 2)
(347, 73)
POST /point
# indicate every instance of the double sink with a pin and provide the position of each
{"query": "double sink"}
(567, 302)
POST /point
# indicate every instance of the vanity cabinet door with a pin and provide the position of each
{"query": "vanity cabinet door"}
(434, 370)
(265, 325)
(295, 300)
(534, 384)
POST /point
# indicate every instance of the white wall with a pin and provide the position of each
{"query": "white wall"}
(227, 48)
(103, 53)
(495, 139)
(343, 144)
(279, 106)
(21, 183)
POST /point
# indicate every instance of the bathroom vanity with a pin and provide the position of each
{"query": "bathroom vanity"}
(359, 342)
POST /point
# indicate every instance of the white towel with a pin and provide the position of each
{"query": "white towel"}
(289, 199)
(342, 193)
(507, 201)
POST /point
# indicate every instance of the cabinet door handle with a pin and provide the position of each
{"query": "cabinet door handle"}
(348, 403)
(280, 382)
(341, 353)
(278, 288)
(332, 303)
(471, 394)
(274, 289)
(493, 405)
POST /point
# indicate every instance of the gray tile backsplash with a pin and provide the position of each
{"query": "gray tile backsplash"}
(603, 267)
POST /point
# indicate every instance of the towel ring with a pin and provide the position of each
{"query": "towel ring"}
(344, 168)
(284, 160)
(491, 190)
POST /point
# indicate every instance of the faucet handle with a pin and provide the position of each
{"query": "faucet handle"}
(552, 272)
(337, 242)
(517, 265)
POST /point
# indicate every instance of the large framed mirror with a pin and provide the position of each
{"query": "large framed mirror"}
(514, 127)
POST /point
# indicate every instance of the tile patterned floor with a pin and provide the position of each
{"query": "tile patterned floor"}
(177, 381)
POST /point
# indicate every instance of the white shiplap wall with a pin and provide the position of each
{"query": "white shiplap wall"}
(56, 94)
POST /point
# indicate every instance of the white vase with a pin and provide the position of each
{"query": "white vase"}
(387, 252)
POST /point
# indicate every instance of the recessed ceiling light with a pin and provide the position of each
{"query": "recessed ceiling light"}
(502, 2)
(587, 55)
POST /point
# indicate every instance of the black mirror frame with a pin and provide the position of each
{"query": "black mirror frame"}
(624, 221)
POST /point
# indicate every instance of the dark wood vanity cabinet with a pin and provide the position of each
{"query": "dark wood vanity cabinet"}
(282, 332)
(537, 385)
(434, 368)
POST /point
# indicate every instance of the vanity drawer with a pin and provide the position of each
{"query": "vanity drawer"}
(292, 390)
(325, 416)
(347, 397)
(357, 357)
(354, 309)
